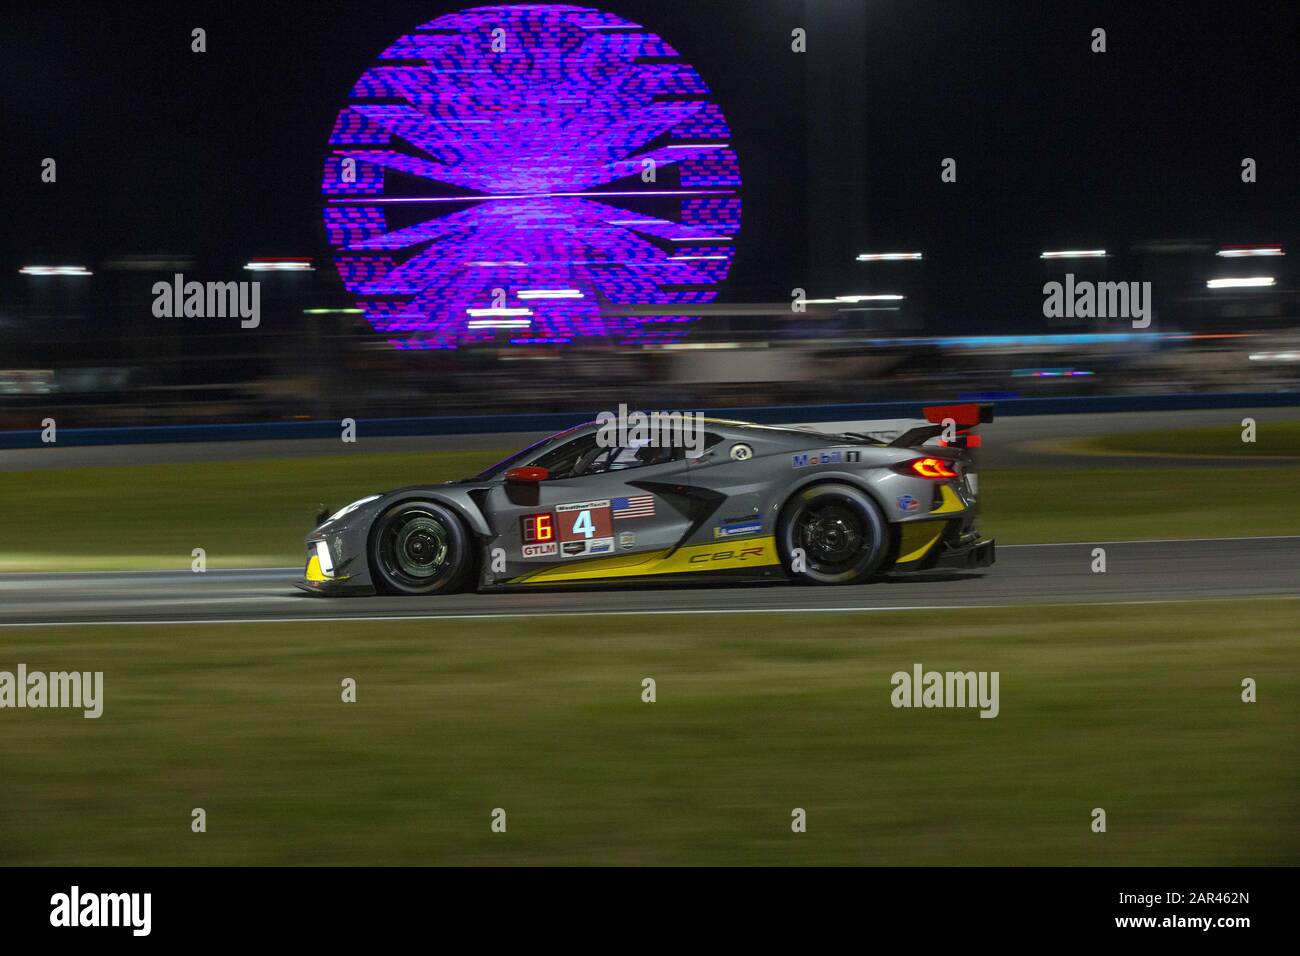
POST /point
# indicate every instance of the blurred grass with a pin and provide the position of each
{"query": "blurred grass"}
(1272, 439)
(255, 513)
(1133, 709)
(1040, 505)
(242, 513)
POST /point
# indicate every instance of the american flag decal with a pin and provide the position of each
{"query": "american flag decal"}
(638, 506)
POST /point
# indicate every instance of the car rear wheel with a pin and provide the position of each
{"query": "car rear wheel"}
(419, 547)
(832, 534)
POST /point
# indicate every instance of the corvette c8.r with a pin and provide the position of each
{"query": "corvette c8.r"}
(754, 502)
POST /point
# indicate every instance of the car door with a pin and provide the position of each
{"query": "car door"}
(598, 503)
(726, 469)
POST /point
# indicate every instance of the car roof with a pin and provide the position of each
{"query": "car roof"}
(735, 425)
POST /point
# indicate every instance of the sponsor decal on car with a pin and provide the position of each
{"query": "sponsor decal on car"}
(541, 550)
(627, 540)
(732, 556)
(577, 549)
(737, 528)
(907, 503)
(584, 505)
(809, 459)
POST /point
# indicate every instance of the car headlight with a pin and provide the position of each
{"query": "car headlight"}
(353, 507)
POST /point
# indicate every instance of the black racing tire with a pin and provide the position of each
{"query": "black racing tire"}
(419, 548)
(841, 532)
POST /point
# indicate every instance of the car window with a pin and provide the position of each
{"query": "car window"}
(710, 439)
(571, 459)
(584, 456)
(510, 462)
(632, 455)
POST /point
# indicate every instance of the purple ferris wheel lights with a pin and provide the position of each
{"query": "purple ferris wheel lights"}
(503, 150)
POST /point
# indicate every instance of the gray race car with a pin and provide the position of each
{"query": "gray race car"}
(748, 501)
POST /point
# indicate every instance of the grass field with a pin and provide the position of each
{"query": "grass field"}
(1272, 440)
(1135, 710)
(255, 513)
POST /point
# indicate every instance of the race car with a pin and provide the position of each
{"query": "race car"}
(743, 501)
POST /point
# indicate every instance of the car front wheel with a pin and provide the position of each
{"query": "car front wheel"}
(419, 547)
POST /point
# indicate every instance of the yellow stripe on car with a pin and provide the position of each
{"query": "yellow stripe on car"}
(917, 538)
(749, 553)
(952, 504)
(314, 572)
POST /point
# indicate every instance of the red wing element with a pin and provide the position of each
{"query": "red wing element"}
(965, 416)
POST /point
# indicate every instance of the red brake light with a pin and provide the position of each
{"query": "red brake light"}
(935, 468)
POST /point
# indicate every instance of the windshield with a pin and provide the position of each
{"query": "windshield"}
(520, 456)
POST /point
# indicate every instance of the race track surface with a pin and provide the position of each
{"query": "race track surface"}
(1024, 575)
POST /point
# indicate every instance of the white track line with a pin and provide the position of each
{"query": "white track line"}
(435, 616)
(1081, 544)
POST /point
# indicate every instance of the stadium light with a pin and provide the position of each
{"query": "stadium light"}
(888, 256)
(530, 294)
(842, 299)
(1075, 254)
(1239, 252)
(279, 265)
(55, 271)
(1249, 282)
(499, 323)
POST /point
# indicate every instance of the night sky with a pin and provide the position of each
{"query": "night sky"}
(218, 155)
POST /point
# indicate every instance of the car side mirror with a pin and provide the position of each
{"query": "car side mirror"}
(527, 475)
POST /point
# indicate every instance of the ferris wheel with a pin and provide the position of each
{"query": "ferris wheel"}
(539, 174)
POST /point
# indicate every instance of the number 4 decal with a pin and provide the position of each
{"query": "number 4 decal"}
(584, 521)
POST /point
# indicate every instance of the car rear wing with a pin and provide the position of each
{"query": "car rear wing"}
(960, 421)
